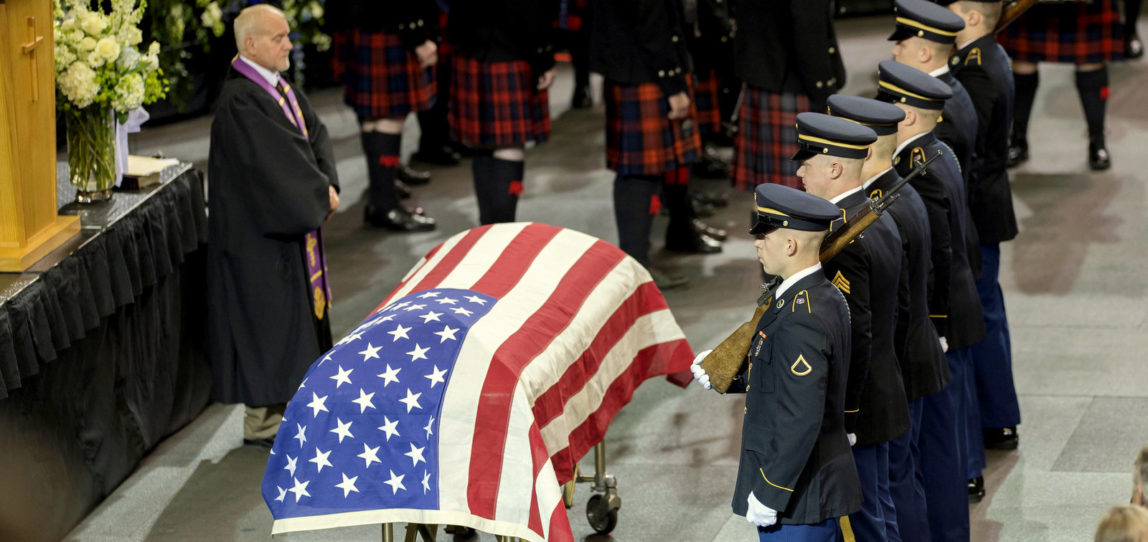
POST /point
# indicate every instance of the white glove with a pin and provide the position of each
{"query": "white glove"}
(852, 438)
(759, 514)
(699, 373)
(944, 345)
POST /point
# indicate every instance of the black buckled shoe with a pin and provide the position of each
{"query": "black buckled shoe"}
(666, 281)
(397, 219)
(402, 190)
(1133, 47)
(439, 156)
(412, 177)
(716, 233)
(1017, 152)
(1004, 438)
(976, 489)
(697, 243)
(1098, 157)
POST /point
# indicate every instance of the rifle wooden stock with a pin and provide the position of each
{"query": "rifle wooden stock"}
(1012, 11)
(725, 362)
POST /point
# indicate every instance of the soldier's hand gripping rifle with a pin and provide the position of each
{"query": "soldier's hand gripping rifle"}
(725, 362)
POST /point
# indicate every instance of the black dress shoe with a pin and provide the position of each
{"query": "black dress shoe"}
(582, 98)
(402, 190)
(698, 243)
(398, 219)
(1004, 438)
(260, 442)
(702, 208)
(1017, 153)
(716, 233)
(1098, 157)
(666, 281)
(1133, 47)
(976, 489)
(439, 156)
(710, 167)
(412, 177)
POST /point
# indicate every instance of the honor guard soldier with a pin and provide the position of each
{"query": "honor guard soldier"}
(953, 304)
(832, 153)
(923, 368)
(796, 476)
(786, 53)
(983, 67)
(925, 37)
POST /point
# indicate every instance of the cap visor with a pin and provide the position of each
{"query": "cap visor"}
(803, 154)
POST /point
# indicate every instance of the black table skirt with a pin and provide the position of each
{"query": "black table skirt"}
(101, 355)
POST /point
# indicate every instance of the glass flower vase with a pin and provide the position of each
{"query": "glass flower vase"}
(91, 152)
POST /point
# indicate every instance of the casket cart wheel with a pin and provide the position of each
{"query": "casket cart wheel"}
(601, 516)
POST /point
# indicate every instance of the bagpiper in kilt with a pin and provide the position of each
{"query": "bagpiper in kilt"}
(384, 57)
(767, 138)
(1087, 34)
(503, 64)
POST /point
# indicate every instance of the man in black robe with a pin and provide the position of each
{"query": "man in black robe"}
(271, 185)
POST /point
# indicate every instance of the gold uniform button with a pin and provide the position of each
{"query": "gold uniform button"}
(832, 50)
(674, 38)
(820, 84)
(661, 73)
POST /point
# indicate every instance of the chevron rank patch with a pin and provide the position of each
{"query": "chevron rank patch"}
(841, 282)
(801, 367)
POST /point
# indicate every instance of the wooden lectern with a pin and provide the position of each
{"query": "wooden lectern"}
(29, 225)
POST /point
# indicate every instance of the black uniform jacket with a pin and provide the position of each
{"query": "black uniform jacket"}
(640, 41)
(983, 68)
(795, 457)
(867, 272)
(958, 125)
(414, 21)
(268, 188)
(504, 30)
(954, 306)
(788, 46)
(923, 367)
(711, 44)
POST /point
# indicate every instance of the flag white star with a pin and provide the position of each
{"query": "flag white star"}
(283, 493)
(386, 318)
(418, 353)
(303, 383)
(447, 301)
(411, 400)
(325, 359)
(317, 404)
(370, 352)
(436, 376)
(426, 482)
(462, 311)
(428, 295)
(348, 485)
(300, 489)
(391, 375)
(291, 465)
(390, 428)
(343, 377)
(352, 337)
(416, 455)
(320, 459)
(431, 316)
(300, 436)
(447, 333)
(398, 306)
(369, 454)
(429, 427)
(396, 483)
(415, 307)
(343, 430)
(398, 332)
(364, 400)
(476, 299)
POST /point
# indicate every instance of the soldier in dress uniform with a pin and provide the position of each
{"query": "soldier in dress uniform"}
(796, 476)
(983, 67)
(953, 305)
(923, 368)
(832, 153)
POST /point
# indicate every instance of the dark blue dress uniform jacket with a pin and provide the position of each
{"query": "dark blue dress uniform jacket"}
(983, 68)
(923, 367)
(795, 457)
(958, 125)
(867, 272)
(954, 305)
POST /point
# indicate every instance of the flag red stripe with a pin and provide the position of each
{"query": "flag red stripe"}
(539, 457)
(560, 525)
(508, 269)
(493, 414)
(654, 360)
(645, 300)
(445, 266)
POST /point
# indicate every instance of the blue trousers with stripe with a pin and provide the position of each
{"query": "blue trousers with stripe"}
(993, 356)
(905, 483)
(877, 519)
(944, 453)
(820, 532)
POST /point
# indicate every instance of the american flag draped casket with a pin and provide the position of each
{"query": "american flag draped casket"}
(469, 395)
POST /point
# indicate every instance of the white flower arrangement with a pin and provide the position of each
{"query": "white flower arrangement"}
(99, 60)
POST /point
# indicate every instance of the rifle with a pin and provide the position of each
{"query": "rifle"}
(725, 362)
(1012, 11)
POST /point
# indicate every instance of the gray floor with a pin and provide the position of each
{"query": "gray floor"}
(1074, 281)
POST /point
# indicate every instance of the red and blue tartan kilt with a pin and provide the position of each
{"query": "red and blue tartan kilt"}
(380, 78)
(497, 104)
(707, 94)
(767, 138)
(1072, 32)
(640, 137)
